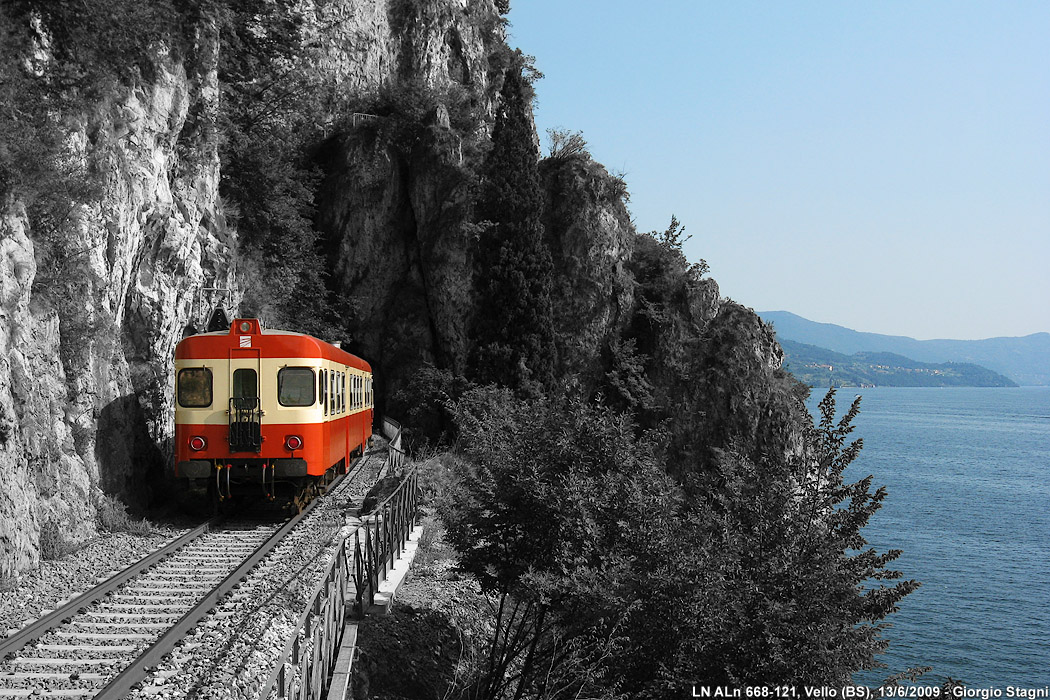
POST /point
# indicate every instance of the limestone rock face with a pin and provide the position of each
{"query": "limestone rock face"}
(86, 386)
(591, 238)
(397, 192)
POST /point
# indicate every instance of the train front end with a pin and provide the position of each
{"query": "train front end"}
(261, 410)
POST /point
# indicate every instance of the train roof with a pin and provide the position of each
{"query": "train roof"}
(248, 334)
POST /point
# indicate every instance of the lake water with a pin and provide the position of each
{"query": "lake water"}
(968, 475)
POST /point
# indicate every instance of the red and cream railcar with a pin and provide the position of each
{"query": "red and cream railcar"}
(266, 406)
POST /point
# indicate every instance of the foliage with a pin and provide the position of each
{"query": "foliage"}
(513, 268)
(566, 145)
(626, 385)
(272, 112)
(113, 517)
(663, 329)
(427, 404)
(549, 508)
(53, 545)
(782, 588)
(38, 164)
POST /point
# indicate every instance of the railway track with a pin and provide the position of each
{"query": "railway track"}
(106, 641)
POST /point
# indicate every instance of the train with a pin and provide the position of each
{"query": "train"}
(270, 411)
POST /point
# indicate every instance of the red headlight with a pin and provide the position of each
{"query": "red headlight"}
(197, 443)
(293, 442)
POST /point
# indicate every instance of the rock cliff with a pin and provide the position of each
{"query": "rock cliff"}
(89, 317)
(91, 311)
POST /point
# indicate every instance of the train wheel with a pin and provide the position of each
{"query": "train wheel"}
(304, 494)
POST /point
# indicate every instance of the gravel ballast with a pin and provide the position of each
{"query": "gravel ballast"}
(35, 593)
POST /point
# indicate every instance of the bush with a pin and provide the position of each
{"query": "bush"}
(52, 544)
(113, 517)
(552, 509)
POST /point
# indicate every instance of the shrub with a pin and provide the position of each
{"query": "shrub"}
(113, 517)
(552, 507)
(52, 544)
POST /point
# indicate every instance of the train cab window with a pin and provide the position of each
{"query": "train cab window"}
(245, 384)
(194, 387)
(295, 386)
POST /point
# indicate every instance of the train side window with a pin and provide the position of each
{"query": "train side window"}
(295, 386)
(342, 390)
(324, 390)
(194, 387)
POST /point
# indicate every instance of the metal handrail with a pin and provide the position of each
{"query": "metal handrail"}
(310, 657)
(395, 460)
(380, 540)
(314, 657)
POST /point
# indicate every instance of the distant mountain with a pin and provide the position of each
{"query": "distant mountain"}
(821, 367)
(1025, 360)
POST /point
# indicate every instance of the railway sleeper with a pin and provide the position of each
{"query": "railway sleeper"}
(49, 693)
(52, 675)
(100, 636)
(93, 648)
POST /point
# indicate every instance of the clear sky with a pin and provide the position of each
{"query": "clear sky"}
(881, 165)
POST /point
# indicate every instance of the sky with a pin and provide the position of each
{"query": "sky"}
(884, 166)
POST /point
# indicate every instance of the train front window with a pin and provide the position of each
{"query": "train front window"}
(295, 386)
(194, 390)
(245, 384)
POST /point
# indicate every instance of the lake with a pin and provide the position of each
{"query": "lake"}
(969, 503)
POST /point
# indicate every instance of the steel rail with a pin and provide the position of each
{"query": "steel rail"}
(137, 671)
(40, 627)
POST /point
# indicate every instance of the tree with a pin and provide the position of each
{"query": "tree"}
(550, 509)
(783, 588)
(513, 328)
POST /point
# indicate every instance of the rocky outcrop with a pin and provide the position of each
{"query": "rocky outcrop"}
(591, 238)
(398, 193)
(86, 340)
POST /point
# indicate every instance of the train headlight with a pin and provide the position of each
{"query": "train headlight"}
(197, 443)
(293, 442)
